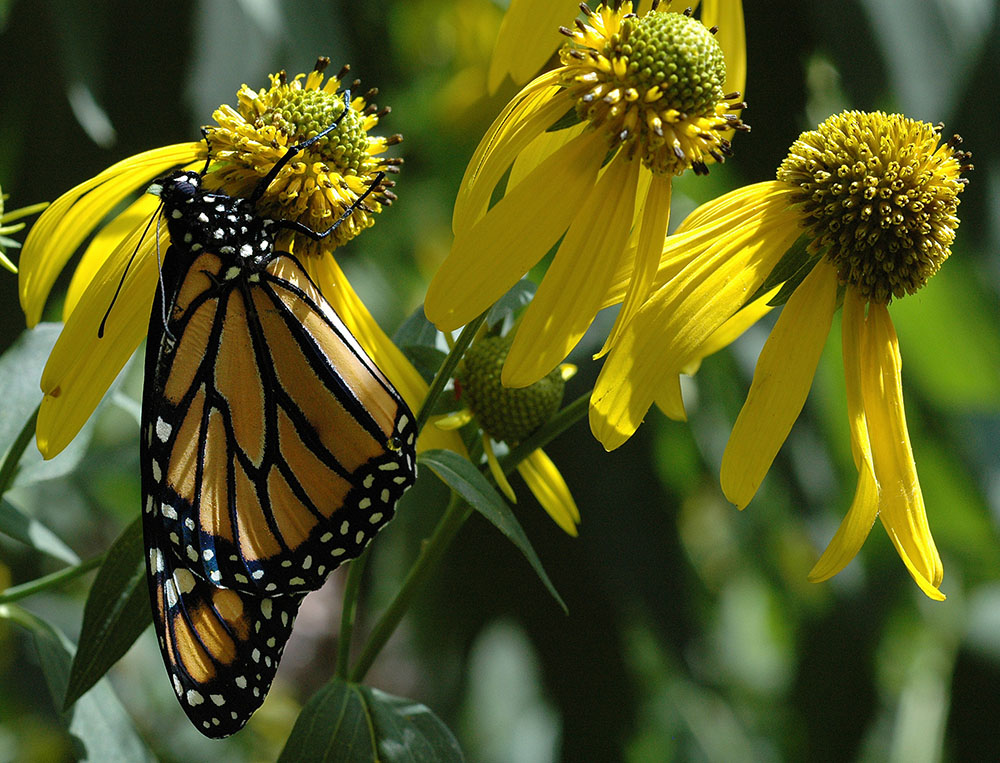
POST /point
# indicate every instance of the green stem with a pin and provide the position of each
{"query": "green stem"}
(9, 467)
(17, 214)
(449, 524)
(447, 368)
(349, 611)
(554, 427)
(17, 592)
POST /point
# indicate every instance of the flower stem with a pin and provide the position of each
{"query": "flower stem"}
(24, 590)
(449, 524)
(349, 611)
(445, 372)
(9, 467)
(554, 427)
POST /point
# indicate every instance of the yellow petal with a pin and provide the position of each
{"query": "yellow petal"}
(81, 366)
(528, 115)
(529, 35)
(727, 15)
(702, 230)
(498, 476)
(486, 260)
(411, 386)
(901, 501)
(732, 329)
(652, 233)
(852, 334)
(71, 218)
(135, 216)
(780, 384)
(540, 149)
(574, 285)
(667, 333)
(852, 532)
(549, 487)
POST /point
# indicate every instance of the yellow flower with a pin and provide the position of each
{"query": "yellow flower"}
(510, 416)
(314, 189)
(528, 36)
(875, 198)
(591, 148)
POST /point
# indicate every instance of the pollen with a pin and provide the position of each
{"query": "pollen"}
(655, 84)
(505, 413)
(879, 196)
(327, 177)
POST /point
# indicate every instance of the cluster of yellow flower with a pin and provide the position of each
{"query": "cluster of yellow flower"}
(862, 210)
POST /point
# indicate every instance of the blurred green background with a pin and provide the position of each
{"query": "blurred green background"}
(692, 632)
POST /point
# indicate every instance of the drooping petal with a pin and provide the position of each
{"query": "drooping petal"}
(861, 516)
(780, 384)
(81, 367)
(540, 149)
(104, 242)
(901, 502)
(489, 258)
(526, 117)
(497, 471)
(574, 285)
(71, 218)
(668, 331)
(529, 35)
(652, 232)
(326, 272)
(548, 486)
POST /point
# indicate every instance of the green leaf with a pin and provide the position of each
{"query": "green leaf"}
(100, 726)
(427, 360)
(466, 480)
(115, 615)
(20, 376)
(517, 297)
(416, 331)
(33, 533)
(346, 723)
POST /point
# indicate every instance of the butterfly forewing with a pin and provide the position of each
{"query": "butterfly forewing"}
(276, 448)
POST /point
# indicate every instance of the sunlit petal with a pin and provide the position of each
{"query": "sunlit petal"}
(81, 367)
(727, 15)
(577, 279)
(900, 499)
(489, 258)
(529, 34)
(550, 489)
(75, 214)
(652, 232)
(780, 384)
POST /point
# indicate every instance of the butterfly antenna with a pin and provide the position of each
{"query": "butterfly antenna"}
(104, 320)
(305, 230)
(163, 288)
(208, 150)
(296, 149)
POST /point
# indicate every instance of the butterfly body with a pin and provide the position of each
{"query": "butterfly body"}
(272, 450)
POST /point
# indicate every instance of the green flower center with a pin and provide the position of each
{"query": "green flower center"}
(505, 413)
(654, 84)
(675, 53)
(879, 196)
(302, 114)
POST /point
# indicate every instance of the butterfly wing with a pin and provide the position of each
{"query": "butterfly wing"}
(274, 447)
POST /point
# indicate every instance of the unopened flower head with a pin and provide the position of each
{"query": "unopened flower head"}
(328, 177)
(879, 196)
(654, 83)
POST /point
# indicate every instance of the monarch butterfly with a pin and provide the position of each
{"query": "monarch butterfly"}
(272, 447)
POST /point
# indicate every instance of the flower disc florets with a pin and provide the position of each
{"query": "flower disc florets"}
(879, 196)
(505, 413)
(654, 83)
(322, 182)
